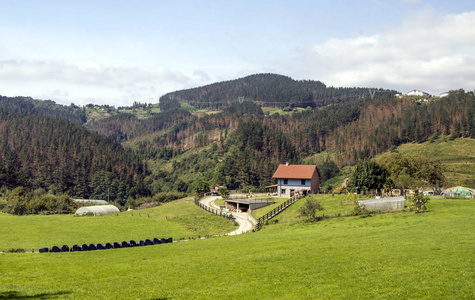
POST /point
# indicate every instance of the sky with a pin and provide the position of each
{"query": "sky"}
(120, 52)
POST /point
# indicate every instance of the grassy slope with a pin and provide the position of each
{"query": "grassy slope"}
(458, 156)
(393, 256)
(177, 219)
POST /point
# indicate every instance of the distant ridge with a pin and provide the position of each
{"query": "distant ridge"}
(269, 90)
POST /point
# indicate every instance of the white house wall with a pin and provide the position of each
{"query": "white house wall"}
(292, 184)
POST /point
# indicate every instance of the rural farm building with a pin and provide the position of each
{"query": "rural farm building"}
(391, 203)
(242, 205)
(304, 179)
(98, 210)
(417, 93)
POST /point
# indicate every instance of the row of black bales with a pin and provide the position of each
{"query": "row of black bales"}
(115, 245)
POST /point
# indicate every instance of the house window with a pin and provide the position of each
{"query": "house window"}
(282, 191)
(303, 181)
(286, 181)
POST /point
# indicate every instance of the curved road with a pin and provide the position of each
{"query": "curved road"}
(241, 218)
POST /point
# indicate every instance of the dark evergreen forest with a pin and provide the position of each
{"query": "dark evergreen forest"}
(64, 157)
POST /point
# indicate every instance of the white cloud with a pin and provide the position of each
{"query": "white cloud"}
(85, 81)
(429, 52)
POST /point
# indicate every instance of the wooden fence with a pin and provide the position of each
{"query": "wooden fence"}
(214, 211)
(274, 212)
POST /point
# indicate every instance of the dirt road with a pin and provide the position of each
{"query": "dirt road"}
(244, 224)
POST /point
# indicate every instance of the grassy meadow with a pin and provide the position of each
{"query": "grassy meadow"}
(180, 219)
(396, 255)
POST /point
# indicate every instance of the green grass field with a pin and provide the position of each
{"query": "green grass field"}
(179, 219)
(395, 256)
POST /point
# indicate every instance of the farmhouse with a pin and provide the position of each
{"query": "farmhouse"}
(297, 178)
(417, 93)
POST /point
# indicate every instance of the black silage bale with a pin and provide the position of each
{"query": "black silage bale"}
(108, 246)
(84, 247)
(75, 248)
(132, 243)
(55, 249)
(44, 250)
(124, 244)
(92, 247)
(100, 247)
(116, 245)
(148, 242)
(64, 248)
(156, 241)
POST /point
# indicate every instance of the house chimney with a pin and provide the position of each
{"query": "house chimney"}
(287, 164)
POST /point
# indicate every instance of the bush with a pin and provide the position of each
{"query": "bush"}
(419, 201)
(359, 211)
(309, 209)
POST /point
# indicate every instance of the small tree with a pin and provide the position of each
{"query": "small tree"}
(201, 187)
(223, 192)
(309, 209)
(419, 201)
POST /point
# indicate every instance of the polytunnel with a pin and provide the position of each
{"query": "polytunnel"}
(90, 201)
(99, 210)
(391, 203)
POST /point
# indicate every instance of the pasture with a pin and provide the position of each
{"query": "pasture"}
(396, 256)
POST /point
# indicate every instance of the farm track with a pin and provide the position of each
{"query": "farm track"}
(241, 218)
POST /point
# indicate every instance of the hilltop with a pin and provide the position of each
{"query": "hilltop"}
(267, 90)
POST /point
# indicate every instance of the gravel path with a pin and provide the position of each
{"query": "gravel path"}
(244, 224)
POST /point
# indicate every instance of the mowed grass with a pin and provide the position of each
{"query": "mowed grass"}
(180, 219)
(393, 256)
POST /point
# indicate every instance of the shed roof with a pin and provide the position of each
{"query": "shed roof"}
(295, 171)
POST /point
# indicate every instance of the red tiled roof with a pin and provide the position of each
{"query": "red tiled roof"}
(295, 171)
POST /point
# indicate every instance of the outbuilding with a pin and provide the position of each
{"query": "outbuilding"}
(241, 205)
(390, 203)
(98, 210)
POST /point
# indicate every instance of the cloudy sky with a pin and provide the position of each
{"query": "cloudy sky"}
(117, 52)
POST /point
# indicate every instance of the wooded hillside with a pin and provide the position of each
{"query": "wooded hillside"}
(267, 90)
(44, 146)
(64, 157)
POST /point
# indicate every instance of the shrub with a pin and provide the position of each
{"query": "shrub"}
(419, 201)
(359, 211)
(309, 209)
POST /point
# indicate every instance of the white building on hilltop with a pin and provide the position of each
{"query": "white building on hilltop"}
(417, 93)
(444, 94)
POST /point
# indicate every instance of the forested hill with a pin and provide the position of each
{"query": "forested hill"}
(63, 157)
(266, 90)
(46, 108)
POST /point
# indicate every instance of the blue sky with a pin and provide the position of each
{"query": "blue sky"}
(118, 52)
